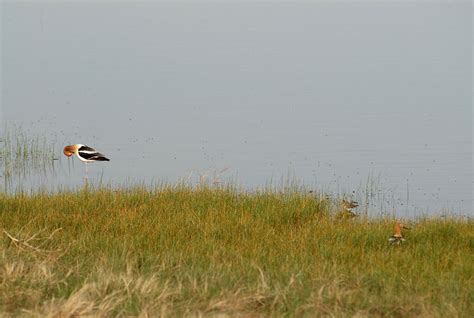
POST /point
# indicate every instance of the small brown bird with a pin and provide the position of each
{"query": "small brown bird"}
(345, 211)
(397, 237)
(349, 205)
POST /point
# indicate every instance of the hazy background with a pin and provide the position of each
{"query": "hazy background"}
(329, 93)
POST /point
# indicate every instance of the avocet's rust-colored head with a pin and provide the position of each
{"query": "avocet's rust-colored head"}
(69, 150)
(398, 229)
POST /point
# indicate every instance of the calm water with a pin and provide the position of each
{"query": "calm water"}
(329, 94)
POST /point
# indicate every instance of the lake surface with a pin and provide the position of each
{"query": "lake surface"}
(335, 95)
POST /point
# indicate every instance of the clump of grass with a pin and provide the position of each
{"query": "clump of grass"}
(22, 154)
(190, 251)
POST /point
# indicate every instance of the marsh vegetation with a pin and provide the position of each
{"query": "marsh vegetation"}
(181, 250)
(23, 154)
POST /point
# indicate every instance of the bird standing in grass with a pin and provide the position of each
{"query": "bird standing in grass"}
(397, 237)
(348, 206)
(84, 153)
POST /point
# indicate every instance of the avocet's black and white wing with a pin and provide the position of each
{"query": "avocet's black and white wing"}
(88, 154)
(395, 239)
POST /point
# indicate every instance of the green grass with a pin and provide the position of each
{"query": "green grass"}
(22, 154)
(182, 251)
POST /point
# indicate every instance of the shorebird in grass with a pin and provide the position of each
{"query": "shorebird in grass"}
(84, 153)
(348, 206)
(397, 237)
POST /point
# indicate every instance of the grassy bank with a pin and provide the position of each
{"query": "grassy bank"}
(180, 251)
